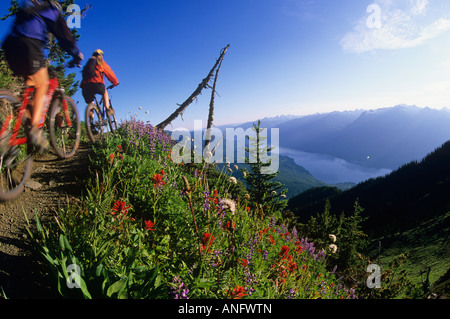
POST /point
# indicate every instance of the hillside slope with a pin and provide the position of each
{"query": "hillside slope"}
(416, 191)
(296, 179)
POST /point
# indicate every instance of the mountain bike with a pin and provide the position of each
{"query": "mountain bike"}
(97, 119)
(16, 152)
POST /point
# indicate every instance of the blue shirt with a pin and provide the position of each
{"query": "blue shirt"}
(36, 21)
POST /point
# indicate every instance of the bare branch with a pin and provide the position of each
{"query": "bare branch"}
(201, 86)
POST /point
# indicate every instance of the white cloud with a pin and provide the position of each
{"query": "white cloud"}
(402, 24)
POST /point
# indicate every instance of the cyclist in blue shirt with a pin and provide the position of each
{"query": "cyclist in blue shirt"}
(24, 52)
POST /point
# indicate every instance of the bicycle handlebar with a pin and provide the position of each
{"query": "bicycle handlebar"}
(72, 64)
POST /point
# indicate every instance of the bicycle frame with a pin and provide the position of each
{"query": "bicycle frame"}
(101, 107)
(26, 97)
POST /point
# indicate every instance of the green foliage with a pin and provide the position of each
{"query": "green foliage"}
(12, 10)
(148, 227)
(7, 79)
(151, 228)
(345, 232)
(260, 181)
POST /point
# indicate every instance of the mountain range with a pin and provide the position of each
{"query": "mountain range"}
(378, 141)
(381, 138)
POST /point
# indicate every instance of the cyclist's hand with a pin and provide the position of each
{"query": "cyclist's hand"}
(76, 61)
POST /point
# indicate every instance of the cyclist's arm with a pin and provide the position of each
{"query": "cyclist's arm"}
(110, 75)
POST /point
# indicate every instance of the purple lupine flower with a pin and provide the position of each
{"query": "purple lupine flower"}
(206, 201)
(179, 290)
(291, 294)
(334, 269)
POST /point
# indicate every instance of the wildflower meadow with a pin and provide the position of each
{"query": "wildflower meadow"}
(147, 227)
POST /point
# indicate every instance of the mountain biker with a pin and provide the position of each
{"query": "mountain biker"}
(93, 79)
(23, 49)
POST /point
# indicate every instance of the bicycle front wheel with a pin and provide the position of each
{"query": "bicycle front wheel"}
(15, 160)
(94, 124)
(65, 127)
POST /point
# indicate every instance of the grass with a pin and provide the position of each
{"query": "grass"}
(426, 245)
(149, 227)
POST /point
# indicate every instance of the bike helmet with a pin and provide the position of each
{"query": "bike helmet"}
(98, 52)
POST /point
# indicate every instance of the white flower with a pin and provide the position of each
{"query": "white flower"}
(332, 237)
(233, 180)
(236, 167)
(231, 205)
(333, 248)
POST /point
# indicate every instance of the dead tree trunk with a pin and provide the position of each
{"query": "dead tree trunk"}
(201, 86)
(211, 111)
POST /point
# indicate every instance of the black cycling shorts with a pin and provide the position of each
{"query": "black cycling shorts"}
(24, 55)
(92, 89)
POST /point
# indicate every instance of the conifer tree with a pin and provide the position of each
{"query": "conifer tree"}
(263, 190)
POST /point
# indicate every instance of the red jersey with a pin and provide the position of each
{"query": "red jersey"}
(102, 70)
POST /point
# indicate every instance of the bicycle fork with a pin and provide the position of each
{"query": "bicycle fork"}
(13, 140)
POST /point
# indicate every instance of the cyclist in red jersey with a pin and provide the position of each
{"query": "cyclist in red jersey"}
(94, 74)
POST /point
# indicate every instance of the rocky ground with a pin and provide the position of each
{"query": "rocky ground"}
(54, 182)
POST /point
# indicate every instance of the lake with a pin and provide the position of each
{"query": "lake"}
(332, 170)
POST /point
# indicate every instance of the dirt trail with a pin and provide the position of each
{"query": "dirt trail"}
(53, 183)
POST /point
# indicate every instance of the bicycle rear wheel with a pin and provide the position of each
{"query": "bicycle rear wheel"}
(65, 127)
(112, 120)
(94, 124)
(15, 161)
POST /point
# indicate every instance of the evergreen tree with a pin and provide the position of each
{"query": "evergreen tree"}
(320, 227)
(56, 57)
(351, 240)
(263, 191)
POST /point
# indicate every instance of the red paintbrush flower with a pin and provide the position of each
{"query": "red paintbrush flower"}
(238, 292)
(284, 251)
(207, 241)
(120, 208)
(149, 225)
(158, 180)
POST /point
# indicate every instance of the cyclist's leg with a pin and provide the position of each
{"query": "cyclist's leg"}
(40, 81)
(89, 97)
(106, 101)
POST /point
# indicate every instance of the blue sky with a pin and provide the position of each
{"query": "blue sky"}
(286, 56)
